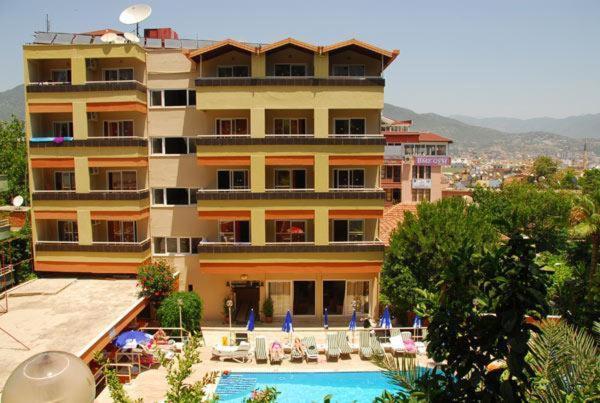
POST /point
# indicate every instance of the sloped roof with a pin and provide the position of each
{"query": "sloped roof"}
(392, 216)
(388, 56)
(287, 42)
(222, 45)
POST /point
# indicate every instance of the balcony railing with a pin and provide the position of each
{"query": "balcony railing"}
(356, 189)
(204, 190)
(304, 135)
(215, 135)
(96, 246)
(357, 135)
(421, 183)
(289, 190)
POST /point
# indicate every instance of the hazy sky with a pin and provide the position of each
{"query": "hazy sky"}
(521, 58)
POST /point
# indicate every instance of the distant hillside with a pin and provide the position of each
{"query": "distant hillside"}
(12, 102)
(572, 126)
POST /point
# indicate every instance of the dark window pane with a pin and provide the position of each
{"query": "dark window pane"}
(240, 179)
(157, 146)
(177, 196)
(223, 180)
(241, 71)
(397, 173)
(175, 97)
(342, 127)
(282, 69)
(225, 71)
(193, 196)
(299, 178)
(340, 70)
(172, 245)
(184, 245)
(195, 242)
(358, 178)
(298, 70)
(343, 180)
(340, 230)
(159, 245)
(175, 145)
(357, 126)
(159, 196)
(191, 97)
(155, 98)
(356, 70)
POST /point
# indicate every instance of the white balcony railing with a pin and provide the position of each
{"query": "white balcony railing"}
(421, 183)
(284, 190)
(356, 189)
(359, 135)
(204, 190)
(213, 135)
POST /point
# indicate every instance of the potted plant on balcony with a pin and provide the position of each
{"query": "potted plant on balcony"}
(225, 310)
(267, 310)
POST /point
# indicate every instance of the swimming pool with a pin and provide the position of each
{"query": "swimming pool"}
(306, 386)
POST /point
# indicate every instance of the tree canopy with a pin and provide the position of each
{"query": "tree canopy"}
(544, 166)
(13, 159)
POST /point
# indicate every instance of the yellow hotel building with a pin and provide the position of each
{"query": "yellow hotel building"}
(254, 169)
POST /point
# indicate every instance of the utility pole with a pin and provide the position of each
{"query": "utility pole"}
(47, 23)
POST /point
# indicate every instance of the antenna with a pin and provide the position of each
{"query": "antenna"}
(134, 15)
(47, 23)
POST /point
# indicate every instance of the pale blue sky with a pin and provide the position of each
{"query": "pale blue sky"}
(521, 58)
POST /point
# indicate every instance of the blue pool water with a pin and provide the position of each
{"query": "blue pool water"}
(306, 386)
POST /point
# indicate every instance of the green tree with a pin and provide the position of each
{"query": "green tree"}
(13, 159)
(566, 179)
(191, 310)
(155, 280)
(590, 181)
(586, 217)
(423, 244)
(545, 167)
(541, 214)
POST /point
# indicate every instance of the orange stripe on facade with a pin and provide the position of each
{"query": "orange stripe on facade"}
(118, 162)
(291, 268)
(360, 160)
(224, 215)
(120, 215)
(53, 163)
(298, 160)
(88, 267)
(116, 107)
(50, 108)
(55, 215)
(355, 213)
(289, 214)
(224, 161)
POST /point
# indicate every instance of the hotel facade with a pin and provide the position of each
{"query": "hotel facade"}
(253, 169)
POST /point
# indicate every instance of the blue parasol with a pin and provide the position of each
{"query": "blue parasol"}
(326, 319)
(353, 321)
(131, 337)
(250, 326)
(417, 322)
(385, 321)
(287, 323)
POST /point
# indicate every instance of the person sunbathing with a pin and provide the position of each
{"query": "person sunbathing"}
(160, 337)
(276, 351)
(298, 346)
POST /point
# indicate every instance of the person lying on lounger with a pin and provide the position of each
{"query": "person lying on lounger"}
(298, 346)
(160, 337)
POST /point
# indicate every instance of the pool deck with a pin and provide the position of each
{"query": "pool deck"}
(151, 385)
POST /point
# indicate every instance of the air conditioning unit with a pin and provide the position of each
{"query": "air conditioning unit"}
(91, 64)
(92, 116)
(94, 171)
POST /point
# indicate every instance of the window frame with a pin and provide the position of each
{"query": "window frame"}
(120, 172)
(179, 252)
(349, 120)
(291, 175)
(232, 66)
(246, 172)
(348, 232)
(336, 180)
(164, 193)
(290, 125)
(305, 65)
(232, 121)
(69, 124)
(122, 231)
(73, 230)
(291, 222)
(162, 98)
(348, 66)
(120, 127)
(71, 175)
(163, 145)
(69, 75)
(118, 70)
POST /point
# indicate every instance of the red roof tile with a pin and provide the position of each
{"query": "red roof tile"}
(392, 216)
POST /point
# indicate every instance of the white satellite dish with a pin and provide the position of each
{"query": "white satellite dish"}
(131, 37)
(17, 201)
(135, 14)
(108, 37)
(119, 39)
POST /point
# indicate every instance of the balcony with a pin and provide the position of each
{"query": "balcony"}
(419, 183)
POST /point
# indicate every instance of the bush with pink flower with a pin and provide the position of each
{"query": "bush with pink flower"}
(266, 395)
(155, 280)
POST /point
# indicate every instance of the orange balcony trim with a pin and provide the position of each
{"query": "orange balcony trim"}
(120, 215)
(224, 161)
(289, 267)
(89, 267)
(224, 215)
(290, 214)
(53, 163)
(348, 214)
(55, 215)
(118, 162)
(50, 108)
(116, 107)
(359, 160)
(299, 160)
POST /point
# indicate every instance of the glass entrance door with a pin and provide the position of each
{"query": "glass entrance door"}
(333, 296)
(304, 297)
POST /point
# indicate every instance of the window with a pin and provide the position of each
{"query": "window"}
(290, 231)
(121, 231)
(348, 230)
(289, 126)
(357, 291)
(64, 180)
(295, 70)
(173, 196)
(61, 76)
(419, 195)
(350, 126)
(231, 126)
(392, 172)
(290, 179)
(281, 294)
(122, 180)
(181, 245)
(348, 178)
(425, 149)
(118, 128)
(232, 179)
(125, 74)
(421, 172)
(62, 129)
(172, 98)
(352, 70)
(233, 71)
(173, 145)
(67, 231)
(234, 231)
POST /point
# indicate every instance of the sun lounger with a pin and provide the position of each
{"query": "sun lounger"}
(333, 350)
(365, 351)
(297, 352)
(260, 350)
(343, 345)
(397, 344)
(239, 353)
(276, 353)
(311, 352)
(378, 351)
(240, 337)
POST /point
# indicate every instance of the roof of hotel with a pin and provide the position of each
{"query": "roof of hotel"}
(65, 314)
(392, 216)
(422, 137)
(288, 42)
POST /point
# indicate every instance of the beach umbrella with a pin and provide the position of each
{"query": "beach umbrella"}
(287, 324)
(352, 325)
(385, 321)
(250, 326)
(326, 319)
(417, 323)
(296, 230)
(131, 337)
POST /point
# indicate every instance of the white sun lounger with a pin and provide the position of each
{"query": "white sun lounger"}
(239, 353)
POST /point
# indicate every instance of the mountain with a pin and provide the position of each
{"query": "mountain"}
(572, 126)
(12, 102)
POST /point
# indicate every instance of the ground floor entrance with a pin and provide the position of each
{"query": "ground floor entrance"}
(246, 296)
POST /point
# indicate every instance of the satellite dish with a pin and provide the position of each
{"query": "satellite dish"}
(131, 37)
(135, 14)
(17, 201)
(119, 39)
(108, 37)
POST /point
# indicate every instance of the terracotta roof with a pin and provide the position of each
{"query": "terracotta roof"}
(392, 216)
(389, 56)
(286, 42)
(101, 32)
(221, 44)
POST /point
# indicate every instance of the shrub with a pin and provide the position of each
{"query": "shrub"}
(191, 310)
(155, 280)
(267, 307)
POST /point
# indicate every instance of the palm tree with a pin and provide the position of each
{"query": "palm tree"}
(586, 217)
